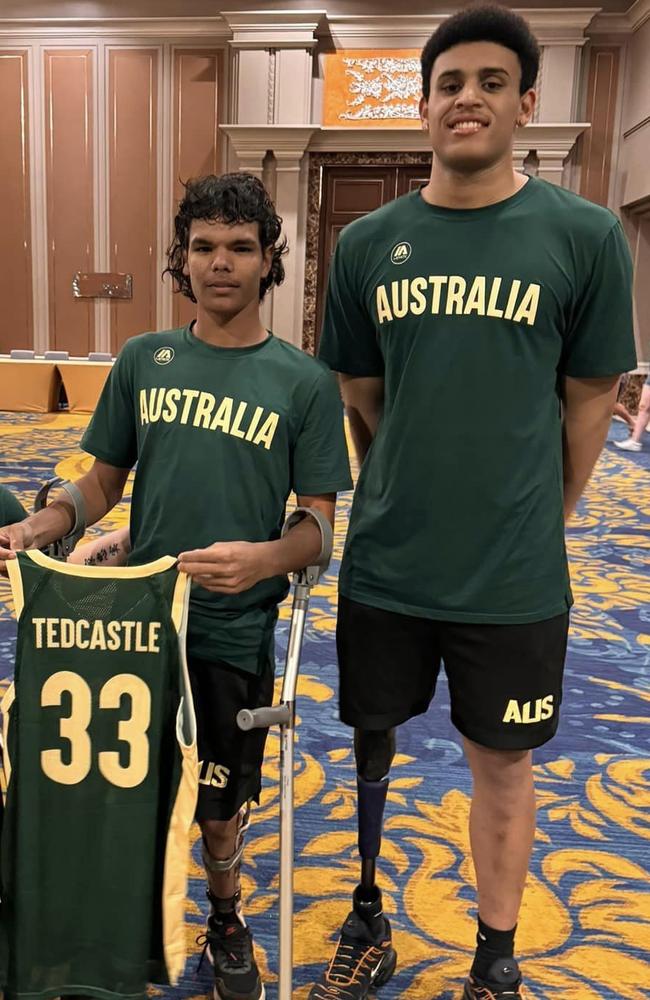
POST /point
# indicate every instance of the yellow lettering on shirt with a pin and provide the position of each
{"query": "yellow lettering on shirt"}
(383, 308)
(267, 431)
(211, 413)
(400, 290)
(418, 298)
(528, 306)
(455, 292)
(449, 295)
(203, 411)
(476, 298)
(223, 416)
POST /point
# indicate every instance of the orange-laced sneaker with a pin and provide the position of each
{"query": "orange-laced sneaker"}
(362, 962)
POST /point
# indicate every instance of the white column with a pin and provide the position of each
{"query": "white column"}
(559, 83)
(282, 308)
(552, 143)
(551, 166)
(288, 298)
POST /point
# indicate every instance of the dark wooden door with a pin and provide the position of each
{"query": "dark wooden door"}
(412, 177)
(349, 193)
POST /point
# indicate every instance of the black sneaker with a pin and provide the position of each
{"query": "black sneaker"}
(364, 958)
(229, 947)
(503, 983)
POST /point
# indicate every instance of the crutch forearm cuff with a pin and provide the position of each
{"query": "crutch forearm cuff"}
(64, 546)
(324, 526)
(79, 505)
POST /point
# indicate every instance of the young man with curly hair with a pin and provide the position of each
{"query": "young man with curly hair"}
(223, 420)
(514, 295)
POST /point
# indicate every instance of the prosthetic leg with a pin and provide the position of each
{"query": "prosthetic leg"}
(284, 716)
(364, 958)
(374, 752)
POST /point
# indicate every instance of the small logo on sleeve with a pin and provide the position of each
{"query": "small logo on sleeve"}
(400, 253)
(164, 355)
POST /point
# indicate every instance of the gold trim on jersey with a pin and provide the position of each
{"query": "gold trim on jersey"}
(105, 572)
(16, 581)
(5, 709)
(177, 864)
(180, 605)
(182, 816)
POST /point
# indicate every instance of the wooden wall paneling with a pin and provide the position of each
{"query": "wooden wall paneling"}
(68, 83)
(133, 185)
(347, 194)
(197, 87)
(16, 329)
(595, 153)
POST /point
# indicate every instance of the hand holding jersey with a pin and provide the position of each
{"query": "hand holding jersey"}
(234, 567)
(13, 538)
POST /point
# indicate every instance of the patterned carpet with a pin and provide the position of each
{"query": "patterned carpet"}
(585, 925)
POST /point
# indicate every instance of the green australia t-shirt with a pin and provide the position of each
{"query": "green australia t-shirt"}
(472, 317)
(220, 436)
(11, 510)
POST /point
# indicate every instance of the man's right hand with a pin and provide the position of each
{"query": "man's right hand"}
(14, 537)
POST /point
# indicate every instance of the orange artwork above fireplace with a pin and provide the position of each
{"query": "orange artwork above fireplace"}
(372, 88)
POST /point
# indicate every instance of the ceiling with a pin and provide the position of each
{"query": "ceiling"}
(207, 8)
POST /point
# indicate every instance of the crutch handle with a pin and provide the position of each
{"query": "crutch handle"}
(262, 718)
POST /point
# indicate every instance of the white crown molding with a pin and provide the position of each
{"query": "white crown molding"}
(264, 29)
(550, 140)
(622, 24)
(182, 28)
(557, 27)
(287, 141)
(369, 140)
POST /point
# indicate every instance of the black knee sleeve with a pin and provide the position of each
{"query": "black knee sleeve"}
(374, 751)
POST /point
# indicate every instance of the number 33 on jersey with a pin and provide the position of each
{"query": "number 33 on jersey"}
(102, 772)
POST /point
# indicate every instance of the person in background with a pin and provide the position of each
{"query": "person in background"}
(635, 441)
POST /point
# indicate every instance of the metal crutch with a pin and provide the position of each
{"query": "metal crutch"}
(62, 548)
(284, 715)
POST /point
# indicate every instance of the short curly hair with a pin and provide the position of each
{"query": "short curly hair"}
(230, 198)
(484, 23)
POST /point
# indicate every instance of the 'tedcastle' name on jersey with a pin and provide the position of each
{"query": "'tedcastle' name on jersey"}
(453, 295)
(127, 636)
(212, 413)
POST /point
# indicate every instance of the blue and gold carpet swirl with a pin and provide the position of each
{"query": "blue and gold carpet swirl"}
(584, 932)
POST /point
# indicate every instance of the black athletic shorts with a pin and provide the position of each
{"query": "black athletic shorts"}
(505, 681)
(230, 759)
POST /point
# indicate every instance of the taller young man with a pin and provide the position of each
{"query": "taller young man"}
(224, 420)
(514, 295)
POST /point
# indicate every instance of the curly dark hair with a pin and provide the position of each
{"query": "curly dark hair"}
(484, 23)
(229, 198)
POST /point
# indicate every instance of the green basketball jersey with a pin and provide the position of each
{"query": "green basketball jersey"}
(473, 318)
(101, 767)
